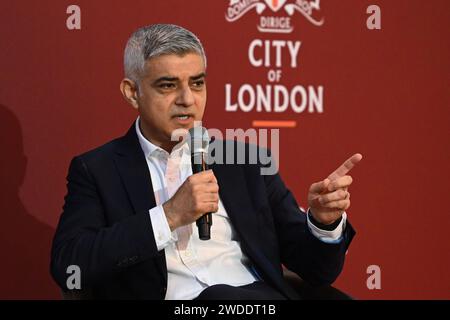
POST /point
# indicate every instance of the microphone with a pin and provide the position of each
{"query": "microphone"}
(199, 143)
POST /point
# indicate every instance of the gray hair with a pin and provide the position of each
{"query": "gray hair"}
(157, 40)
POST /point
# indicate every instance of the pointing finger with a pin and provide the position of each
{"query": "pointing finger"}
(345, 167)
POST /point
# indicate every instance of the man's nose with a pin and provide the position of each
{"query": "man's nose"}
(185, 97)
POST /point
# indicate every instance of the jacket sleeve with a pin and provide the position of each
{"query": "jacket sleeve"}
(316, 262)
(83, 237)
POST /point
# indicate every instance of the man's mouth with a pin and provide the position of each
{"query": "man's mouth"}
(183, 118)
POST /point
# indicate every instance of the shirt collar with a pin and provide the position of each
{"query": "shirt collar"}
(152, 150)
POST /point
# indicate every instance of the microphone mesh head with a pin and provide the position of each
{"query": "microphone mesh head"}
(199, 140)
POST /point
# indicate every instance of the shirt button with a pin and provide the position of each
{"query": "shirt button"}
(187, 253)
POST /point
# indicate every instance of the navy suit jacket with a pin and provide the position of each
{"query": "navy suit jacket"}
(105, 227)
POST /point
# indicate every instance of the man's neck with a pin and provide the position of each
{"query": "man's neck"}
(165, 145)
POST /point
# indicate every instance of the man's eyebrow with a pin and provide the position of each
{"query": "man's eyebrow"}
(169, 79)
(172, 79)
(199, 76)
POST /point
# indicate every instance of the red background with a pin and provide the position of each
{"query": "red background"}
(386, 96)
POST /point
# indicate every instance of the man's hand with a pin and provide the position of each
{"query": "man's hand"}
(198, 195)
(328, 199)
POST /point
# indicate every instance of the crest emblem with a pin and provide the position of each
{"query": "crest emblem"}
(275, 5)
(272, 18)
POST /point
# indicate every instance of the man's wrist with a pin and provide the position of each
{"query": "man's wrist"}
(167, 212)
(328, 227)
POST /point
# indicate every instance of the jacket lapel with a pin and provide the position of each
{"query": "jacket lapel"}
(235, 196)
(236, 200)
(132, 166)
(133, 169)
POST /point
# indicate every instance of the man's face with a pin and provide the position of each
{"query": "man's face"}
(172, 95)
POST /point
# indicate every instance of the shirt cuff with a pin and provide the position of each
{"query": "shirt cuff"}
(161, 229)
(333, 236)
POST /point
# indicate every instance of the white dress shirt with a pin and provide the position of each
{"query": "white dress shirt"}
(194, 264)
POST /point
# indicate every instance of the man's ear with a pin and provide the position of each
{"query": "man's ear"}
(129, 91)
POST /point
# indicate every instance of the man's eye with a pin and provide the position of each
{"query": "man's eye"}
(199, 83)
(166, 85)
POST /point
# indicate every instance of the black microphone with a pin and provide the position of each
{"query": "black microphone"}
(199, 143)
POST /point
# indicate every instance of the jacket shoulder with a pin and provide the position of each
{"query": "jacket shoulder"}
(100, 154)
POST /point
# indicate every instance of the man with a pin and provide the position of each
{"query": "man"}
(130, 211)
